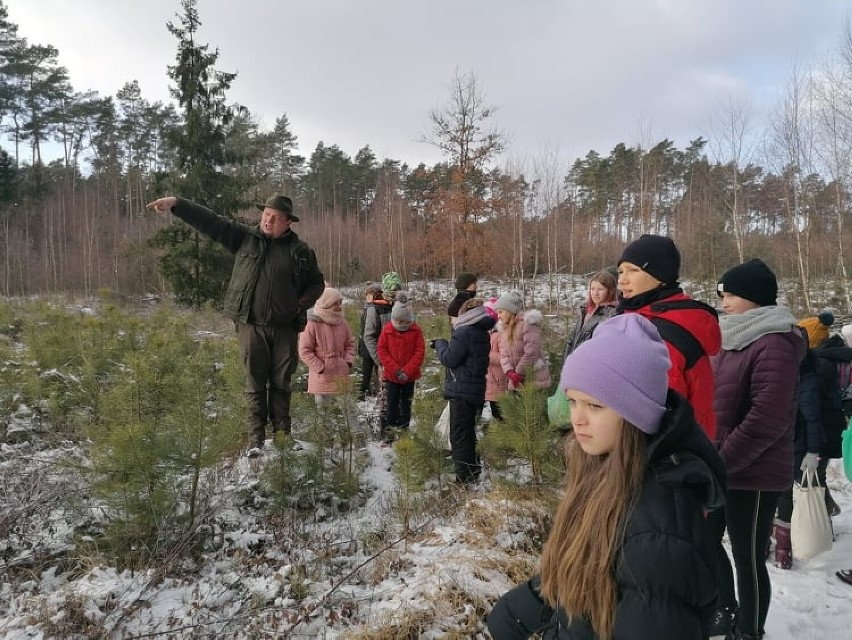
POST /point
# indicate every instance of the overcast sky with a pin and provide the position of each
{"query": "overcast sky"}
(566, 76)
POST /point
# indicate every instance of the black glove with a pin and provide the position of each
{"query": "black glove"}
(432, 343)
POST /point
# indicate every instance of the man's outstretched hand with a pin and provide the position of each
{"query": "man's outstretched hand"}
(162, 205)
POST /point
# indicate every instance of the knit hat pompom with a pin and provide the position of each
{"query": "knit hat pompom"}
(752, 280)
(826, 317)
(625, 367)
(329, 298)
(464, 280)
(655, 255)
(513, 302)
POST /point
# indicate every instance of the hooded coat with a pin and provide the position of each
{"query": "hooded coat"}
(525, 354)
(757, 379)
(496, 382)
(328, 350)
(665, 570)
(401, 350)
(830, 355)
(466, 356)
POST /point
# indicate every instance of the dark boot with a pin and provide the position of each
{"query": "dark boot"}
(279, 404)
(832, 507)
(783, 546)
(257, 416)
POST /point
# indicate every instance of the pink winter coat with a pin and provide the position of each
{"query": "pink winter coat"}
(524, 355)
(496, 382)
(329, 351)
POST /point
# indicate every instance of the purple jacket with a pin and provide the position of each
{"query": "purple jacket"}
(755, 405)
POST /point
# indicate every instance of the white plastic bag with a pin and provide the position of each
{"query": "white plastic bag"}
(810, 528)
(442, 428)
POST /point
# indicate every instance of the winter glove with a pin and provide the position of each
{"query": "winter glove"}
(400, 375)
(809, 463)
(432, 344)
(516, 378)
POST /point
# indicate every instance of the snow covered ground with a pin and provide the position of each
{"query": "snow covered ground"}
(439, 580)
(336, 574)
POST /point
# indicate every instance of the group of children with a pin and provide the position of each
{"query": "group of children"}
(390, 343)
(683, 429)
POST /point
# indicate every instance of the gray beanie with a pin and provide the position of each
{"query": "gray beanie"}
(401, 315)
(512, 302)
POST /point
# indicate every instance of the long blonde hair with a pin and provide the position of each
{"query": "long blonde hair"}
(510, 328)
(577, 563)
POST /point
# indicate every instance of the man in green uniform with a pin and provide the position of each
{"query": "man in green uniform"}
(274, 281)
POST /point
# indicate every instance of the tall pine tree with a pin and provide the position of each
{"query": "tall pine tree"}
(197, 268)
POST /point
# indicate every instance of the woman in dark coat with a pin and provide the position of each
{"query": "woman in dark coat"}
(757, 373)
(628, 555)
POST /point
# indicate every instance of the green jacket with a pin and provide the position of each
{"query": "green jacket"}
(274, 281)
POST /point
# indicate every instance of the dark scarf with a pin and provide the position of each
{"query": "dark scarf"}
(643, 299)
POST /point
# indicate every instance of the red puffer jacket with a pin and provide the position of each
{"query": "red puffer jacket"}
(692, 380)
(401, 350)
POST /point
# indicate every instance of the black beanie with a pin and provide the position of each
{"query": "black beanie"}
(752, 280)
(656, 255)
(464, 280)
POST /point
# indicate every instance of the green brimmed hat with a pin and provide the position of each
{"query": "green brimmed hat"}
(280, 203)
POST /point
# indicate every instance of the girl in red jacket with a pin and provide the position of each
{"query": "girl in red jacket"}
(401, 351)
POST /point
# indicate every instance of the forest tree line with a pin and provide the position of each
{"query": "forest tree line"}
(77, 223)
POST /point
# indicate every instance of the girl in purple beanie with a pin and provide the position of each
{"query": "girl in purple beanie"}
(628, 555)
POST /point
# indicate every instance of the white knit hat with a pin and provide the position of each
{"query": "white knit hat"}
(846, 332)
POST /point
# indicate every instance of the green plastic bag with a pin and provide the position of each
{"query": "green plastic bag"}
(558, 409)
(847, 452)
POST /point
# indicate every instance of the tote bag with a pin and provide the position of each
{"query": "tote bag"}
(810, 528)
(442, 428)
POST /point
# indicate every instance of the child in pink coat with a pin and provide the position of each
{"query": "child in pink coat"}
(521, 355)
(327, 347)
(496, 382)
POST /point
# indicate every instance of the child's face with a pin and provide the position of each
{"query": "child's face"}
(597, 293)
(596, 427)
(632, 280)
(734, 305)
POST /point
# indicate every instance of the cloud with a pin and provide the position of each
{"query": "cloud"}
(575, 75)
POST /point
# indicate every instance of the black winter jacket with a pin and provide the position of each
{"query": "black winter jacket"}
(809, 434)
(830, 354)
(466, 356)
(665, 571)
(274, 281)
